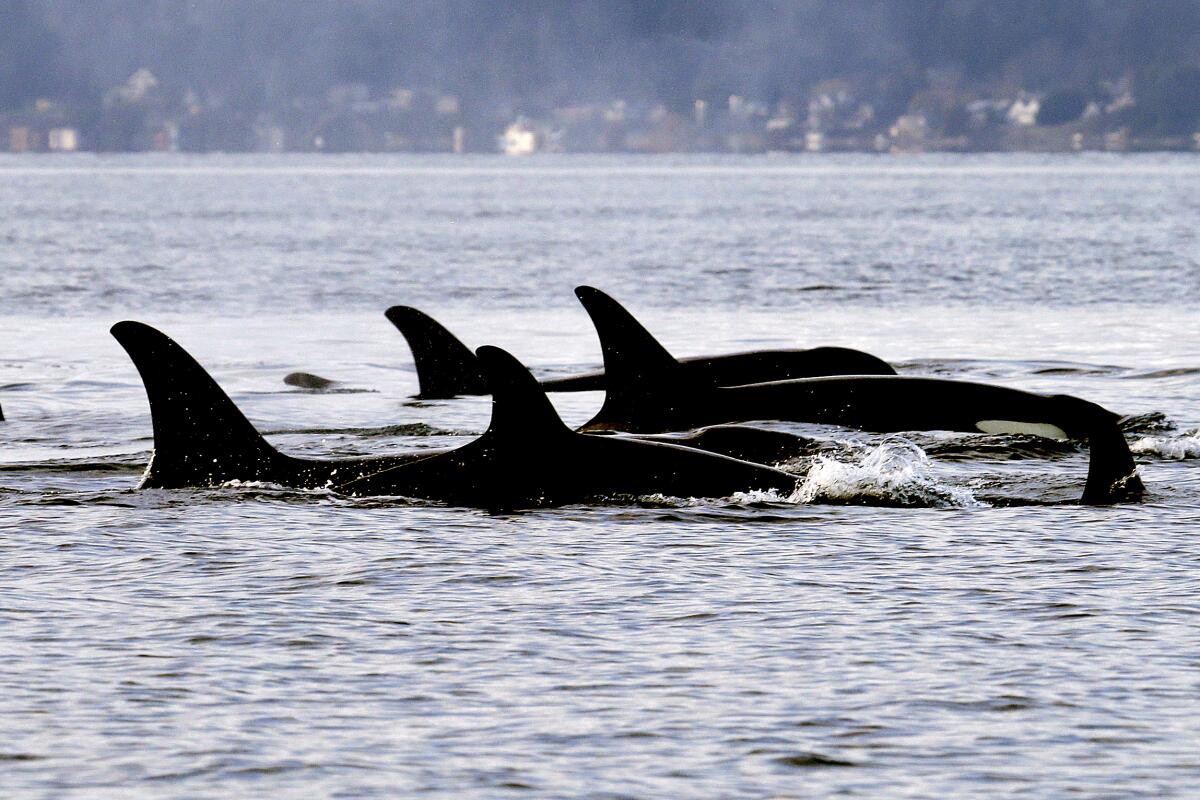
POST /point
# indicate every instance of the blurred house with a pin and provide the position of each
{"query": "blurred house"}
(519, 139)
(908, 133)
(1024, 111)
(22, 139)
(63, 140)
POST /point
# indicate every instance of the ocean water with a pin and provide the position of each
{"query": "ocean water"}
(893, 630)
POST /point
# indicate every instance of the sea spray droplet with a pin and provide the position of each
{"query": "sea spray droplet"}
(896, 472)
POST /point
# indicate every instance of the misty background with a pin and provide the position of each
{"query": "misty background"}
(222, 71)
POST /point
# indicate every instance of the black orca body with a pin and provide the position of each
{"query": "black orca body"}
(743, 442)
(446, 367)
(202, 439)
(528, 457)
(648, 392)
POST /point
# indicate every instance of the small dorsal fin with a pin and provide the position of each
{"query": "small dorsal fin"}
(519, 405)
(307, 380)
(640, 376)
(445, 366)
(200, 436)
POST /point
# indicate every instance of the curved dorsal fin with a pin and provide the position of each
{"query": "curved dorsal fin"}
(519, 405)
(630, 351)
(445, 366)
(200, 437)
(640, 376)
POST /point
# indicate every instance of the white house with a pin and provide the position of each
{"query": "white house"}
(519, 139)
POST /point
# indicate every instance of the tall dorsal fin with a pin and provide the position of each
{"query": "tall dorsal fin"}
(640, 376)
(630, 351)
(519, 405)
(200, 436)
(445, 366)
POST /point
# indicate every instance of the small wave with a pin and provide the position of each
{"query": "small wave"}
(331, 390)
(410, 429)
(1175, 448)
(1006, 447)
(1149, 422)
(77, 466)
(895, 473)
(292, 390)
(381, 501)
(1001, 367)
(1055, 368)
(122, 498)
(1164, 373)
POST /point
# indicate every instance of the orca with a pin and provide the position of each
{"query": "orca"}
(446, 367)
(528, 457)
(648, 392)
(202, 439)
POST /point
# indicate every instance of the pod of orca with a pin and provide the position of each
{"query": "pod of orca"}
(666, 427)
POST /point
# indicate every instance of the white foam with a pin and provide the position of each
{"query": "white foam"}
(761, 496)
(895, 472)
(741, 498)
(1172, 447)
(269, 486)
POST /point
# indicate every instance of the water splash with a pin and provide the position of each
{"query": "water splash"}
(895, 473)
(1150, 422)
(1174, 448)
(256, 488)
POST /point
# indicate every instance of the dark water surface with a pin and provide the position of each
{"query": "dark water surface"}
(250, 641)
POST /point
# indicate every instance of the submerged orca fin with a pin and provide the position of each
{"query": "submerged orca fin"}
(200, 437)
(445, 366)
(639, 374)
(520, 406)
(306, 380)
